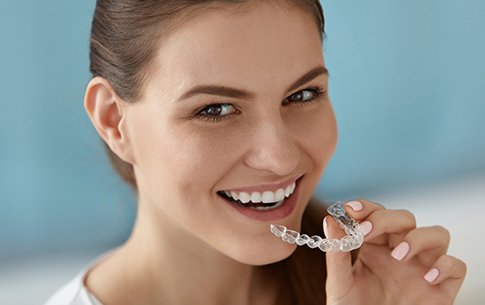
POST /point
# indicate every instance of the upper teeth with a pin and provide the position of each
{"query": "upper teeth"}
(265, 197)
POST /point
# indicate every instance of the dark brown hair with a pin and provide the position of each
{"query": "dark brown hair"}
(124, 35)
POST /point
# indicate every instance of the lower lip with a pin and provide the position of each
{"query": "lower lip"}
(278, 213)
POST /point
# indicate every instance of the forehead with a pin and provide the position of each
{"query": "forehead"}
(264, 45)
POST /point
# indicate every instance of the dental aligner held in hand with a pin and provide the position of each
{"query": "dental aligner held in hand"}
(353, 240)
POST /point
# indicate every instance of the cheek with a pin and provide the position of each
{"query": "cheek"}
(316, 133)
(172, 162)
(195, 158)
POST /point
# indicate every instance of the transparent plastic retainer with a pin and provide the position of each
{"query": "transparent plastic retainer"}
(353, 240)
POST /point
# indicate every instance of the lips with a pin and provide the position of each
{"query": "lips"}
(248, 204)
(273, 187)
(265, 211)
(266, 199)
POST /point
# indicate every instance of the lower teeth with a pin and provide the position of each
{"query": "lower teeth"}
(268, 208)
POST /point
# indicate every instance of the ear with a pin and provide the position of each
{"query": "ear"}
(108, 116)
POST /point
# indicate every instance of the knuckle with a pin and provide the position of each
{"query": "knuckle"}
(459, 266)
(448, 262)
(455, 268)
(409, 216)
(452, 265)
(444, 232)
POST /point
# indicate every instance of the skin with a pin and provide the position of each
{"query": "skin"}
(186, 238)
(379, 276)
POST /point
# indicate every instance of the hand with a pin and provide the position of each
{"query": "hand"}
(398, 263)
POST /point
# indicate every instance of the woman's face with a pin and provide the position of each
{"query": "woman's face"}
(269, 130)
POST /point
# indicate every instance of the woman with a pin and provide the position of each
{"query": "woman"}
(217, 114)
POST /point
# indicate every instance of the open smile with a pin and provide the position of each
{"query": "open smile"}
(264, 205)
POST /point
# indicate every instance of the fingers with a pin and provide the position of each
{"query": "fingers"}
(377, 221)
(361, 208)
(339, 264)
(421, 251)
(428, 243)
(446, 267)
(390, 221)
(449, 273)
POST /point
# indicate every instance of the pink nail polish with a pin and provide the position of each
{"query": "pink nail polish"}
(432, 275)
(366, 227)
(355, 205)
(400, 251)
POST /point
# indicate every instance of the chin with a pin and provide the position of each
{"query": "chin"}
(273, 252)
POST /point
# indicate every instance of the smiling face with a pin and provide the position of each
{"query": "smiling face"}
(272, 127)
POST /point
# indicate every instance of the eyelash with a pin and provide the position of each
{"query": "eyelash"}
(317, 92)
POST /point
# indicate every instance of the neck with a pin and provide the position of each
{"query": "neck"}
(163, 264)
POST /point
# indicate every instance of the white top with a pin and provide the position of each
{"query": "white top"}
(75, 292)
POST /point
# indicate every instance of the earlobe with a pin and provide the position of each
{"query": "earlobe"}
(106, 112)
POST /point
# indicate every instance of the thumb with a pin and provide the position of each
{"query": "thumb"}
(339, 264)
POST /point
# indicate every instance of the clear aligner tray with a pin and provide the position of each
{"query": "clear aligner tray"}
(353, 239)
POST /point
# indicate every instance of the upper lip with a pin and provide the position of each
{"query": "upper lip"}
(273, 187)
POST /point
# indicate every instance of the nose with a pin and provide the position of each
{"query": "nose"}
(273, 148)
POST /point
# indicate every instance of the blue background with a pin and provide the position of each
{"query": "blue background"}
(407, 84)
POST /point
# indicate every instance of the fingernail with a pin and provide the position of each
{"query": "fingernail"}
(325, 226)
(355, 205)
(400, 251)
(366, 227)
(432, 275)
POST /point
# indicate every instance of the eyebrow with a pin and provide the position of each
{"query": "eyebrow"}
(243, 94)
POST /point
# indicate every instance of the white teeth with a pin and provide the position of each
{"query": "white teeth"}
(268, 197)
(270, 207)
(279, 195)
(234, 195)
(244, 197)
(265, 197)
(288, 191)
(256, 197)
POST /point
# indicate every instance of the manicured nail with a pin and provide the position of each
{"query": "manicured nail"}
(355, 205)
(366, 227)
(432, 275)
(400, 251)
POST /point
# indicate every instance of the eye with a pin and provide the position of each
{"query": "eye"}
(216, 112)
(305, 96)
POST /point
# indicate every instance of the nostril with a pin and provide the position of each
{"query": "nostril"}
(273, 160)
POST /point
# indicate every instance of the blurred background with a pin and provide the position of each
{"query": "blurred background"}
(408, 88)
